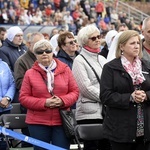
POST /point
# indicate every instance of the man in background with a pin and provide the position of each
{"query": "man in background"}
(2, 35)
(146, 40)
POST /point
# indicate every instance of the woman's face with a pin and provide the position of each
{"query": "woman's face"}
(132, 48)
(44, 56)
(94, 41)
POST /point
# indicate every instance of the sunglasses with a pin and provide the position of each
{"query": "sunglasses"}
(71, 42)
(40, 52)
(95, 37)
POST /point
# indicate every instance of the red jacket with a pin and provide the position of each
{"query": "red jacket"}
(34, 93)
(99, 7)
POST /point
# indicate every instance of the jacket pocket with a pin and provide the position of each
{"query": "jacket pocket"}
(89, 106)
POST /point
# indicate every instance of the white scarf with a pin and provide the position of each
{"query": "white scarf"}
(50, 74)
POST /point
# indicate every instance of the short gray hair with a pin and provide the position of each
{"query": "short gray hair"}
(144, 24)
(31, 38)
(85, 32)
(42, 44)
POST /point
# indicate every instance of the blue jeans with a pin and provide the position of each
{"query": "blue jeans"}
(50, 134)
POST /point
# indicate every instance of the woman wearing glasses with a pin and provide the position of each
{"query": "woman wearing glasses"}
(68, 48)
(88, 106)
(47, 86)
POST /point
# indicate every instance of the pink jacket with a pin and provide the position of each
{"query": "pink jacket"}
(34, 93)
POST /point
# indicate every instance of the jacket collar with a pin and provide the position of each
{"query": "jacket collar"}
(85, 52)
(31, 55)
(59, 69)
(117, 65)
(7, 42)
(63, 54)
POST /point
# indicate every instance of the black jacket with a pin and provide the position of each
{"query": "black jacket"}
(120, 122)
(64, 57)
(10, 53)
(104, 51)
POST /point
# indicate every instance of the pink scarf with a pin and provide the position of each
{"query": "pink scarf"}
(134, 70)
(92, 50)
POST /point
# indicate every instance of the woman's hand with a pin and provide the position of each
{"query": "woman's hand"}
(53, 102)
(139, 96)
(4, 103)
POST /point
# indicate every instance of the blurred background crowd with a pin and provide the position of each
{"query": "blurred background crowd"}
(69, 15)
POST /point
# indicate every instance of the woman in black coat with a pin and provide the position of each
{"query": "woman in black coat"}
(125, 90)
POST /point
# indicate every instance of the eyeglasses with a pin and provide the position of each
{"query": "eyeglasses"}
(40, 52)
(71, 42)
(95, 37)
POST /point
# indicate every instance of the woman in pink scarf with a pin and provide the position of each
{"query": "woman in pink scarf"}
(125, 90)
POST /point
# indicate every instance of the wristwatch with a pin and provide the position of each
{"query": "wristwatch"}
(8, 98)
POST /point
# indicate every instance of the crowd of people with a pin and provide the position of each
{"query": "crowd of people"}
(68, 14)
(83, 69)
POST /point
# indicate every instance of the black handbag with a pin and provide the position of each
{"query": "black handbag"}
(89, 131)
(68, 122)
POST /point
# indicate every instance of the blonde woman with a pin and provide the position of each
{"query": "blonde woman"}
(125, 90)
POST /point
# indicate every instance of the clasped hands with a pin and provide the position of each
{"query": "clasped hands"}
(53, 102)
(139, 96)
(4, 103)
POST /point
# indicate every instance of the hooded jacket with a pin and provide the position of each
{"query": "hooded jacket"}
(9, 53)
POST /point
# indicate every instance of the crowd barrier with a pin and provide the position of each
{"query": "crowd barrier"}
(32, 28)
(28, 139)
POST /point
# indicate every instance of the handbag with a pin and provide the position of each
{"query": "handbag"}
(94, 130)
(68, 122)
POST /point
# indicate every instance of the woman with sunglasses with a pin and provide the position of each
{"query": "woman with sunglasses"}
(88, 106)
(48, 86)
(68, 48)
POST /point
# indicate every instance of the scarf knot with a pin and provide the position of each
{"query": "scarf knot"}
(134, 70)
(50, 74)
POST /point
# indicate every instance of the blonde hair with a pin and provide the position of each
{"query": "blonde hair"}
(123, 39)
(42, 44)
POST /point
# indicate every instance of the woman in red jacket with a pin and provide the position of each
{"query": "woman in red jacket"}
(47, 86)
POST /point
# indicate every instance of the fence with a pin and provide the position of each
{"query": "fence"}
(33, 28)
(137, 15)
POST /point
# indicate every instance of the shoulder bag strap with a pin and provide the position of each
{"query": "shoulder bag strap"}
(91, 68)
(104, 107)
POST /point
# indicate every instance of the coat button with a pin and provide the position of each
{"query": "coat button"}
(133, 140)
(134, 105)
